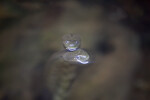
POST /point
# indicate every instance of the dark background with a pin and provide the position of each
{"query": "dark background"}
(12, 12)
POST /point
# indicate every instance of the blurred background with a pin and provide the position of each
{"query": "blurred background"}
(116, 32)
